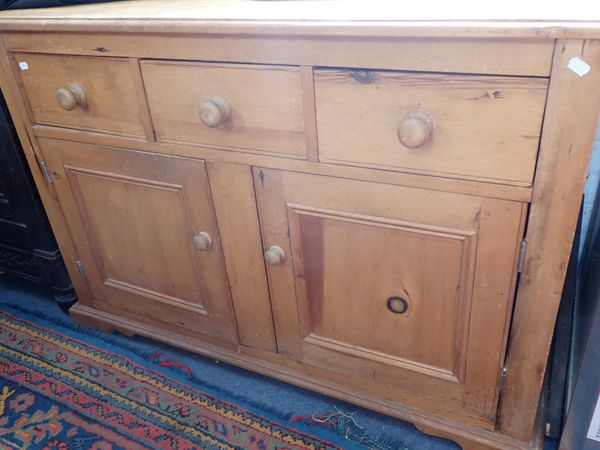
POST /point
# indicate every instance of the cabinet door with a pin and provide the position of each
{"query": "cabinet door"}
(401, 293)
(145, 231)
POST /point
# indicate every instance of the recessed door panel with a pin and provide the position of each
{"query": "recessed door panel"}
(382, 318)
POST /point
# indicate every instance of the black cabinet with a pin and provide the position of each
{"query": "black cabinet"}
(27, 246)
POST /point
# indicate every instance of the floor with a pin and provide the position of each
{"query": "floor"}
(283, 398)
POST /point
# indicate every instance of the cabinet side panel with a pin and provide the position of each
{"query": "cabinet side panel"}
(567, 136)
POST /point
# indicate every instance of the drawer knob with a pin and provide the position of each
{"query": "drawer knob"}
(202, 241)
(215, 111)
(70, 97)
(416, 129)
(397, 305)
(274, 256)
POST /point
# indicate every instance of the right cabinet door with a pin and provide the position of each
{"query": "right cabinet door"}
(399, 293)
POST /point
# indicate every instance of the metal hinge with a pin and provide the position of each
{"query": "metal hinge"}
(79, 268)
(522, 252)
(46, 172)
(503, 377)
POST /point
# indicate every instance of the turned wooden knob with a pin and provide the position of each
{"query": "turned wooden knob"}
(70, 97)
(275, 255)
(202, 241)
(215, 111)
(416, 129)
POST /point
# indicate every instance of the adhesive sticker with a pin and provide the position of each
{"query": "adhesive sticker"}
(23, 65)
(579, 66)
(594, 429)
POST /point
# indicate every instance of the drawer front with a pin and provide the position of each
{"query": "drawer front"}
(95, 94)
(145, 230)
(246, 107)
(403, 293)
(479, 127)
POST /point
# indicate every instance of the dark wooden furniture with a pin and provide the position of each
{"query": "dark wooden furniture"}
(27, 246)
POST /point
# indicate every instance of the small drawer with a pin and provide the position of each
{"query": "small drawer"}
(478, 127)
(246, 107)
(87, 93)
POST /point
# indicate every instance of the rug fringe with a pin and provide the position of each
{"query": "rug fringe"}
(111, 339)
(345, 423)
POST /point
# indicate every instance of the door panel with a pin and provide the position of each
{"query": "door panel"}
(391, 332)
(402, 292)
(134, 217)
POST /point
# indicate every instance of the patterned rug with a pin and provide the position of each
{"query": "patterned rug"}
(61, 388)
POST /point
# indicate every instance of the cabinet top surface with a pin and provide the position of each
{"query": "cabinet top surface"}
(434, 18)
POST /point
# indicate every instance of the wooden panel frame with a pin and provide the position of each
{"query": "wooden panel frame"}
(499, 56)
(235, 207)
(215, 153)
(569, 127)
(468, 240)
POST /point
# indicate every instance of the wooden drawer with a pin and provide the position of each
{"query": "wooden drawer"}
(480, 127)
(247, 107)
(97, 94)
(405, 293)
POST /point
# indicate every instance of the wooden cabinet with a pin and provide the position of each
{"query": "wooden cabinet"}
(377, 209)
(145, 229)
(405, 291)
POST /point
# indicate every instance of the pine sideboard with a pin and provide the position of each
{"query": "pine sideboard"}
(371, 203)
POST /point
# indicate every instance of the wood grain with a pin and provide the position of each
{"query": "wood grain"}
(136, 75)
(310, 113)
(314, 11)
(352, 245)
(235, 206)
(132, 217)
(483, 126)
(359, 222)
(112, 104)
(567, 137)
(328, 18)
(266, 105)
(531, 57)
(515, 191)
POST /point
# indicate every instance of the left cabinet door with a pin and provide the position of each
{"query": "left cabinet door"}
(145, 231)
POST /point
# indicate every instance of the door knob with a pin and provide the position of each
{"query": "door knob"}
(215, 111)
(202, 241)
(275, 255)
(415, 129)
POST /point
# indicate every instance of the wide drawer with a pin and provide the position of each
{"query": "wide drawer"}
(87, 93)
(480, 127)
(251, 107)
